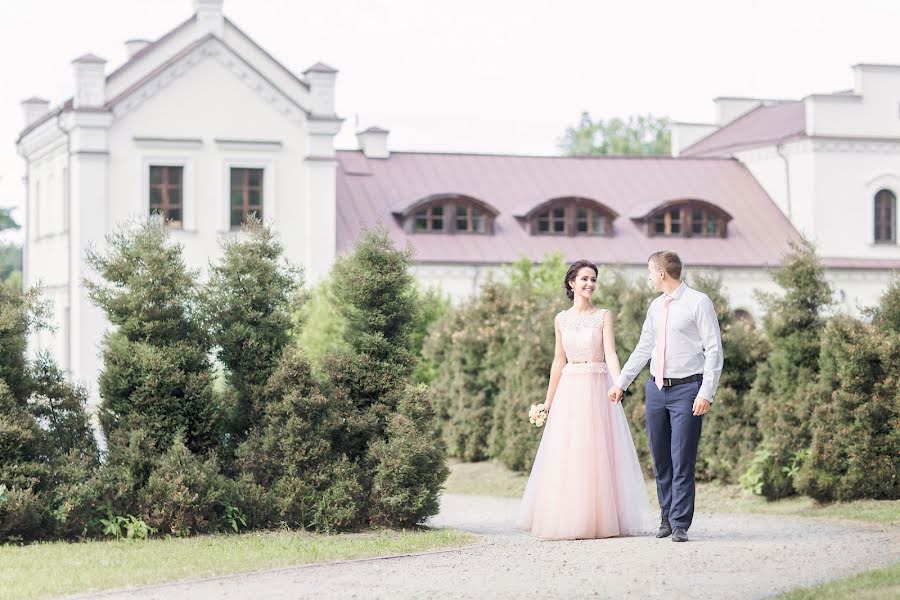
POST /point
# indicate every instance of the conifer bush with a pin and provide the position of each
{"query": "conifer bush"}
(48, 456)
(786, 387)
(156, 373)
(855, 447)
(184, 493)
(295, 473)
(387, 430)
(248, 303)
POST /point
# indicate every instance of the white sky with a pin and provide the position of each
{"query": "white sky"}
(502, 76)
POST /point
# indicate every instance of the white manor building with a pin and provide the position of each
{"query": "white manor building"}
(158, 134)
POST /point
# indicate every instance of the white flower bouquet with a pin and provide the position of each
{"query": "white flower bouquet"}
(537, 414)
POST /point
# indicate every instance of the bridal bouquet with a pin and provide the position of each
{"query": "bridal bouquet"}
(537, 415)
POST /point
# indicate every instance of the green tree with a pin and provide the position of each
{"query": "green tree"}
(247, 302)
(156, 374)
(6, 220)
(47, 451)
(389, 428)
(786, 387)
(640, 134)
(855, 448)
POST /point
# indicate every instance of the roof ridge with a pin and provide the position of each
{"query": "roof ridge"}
(734, 122)
(553, 156)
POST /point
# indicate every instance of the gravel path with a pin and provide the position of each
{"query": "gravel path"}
(729, 556)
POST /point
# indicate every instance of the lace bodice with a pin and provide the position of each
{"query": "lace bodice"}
(582, 335)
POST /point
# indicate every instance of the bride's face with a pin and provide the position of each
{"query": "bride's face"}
(585, 282)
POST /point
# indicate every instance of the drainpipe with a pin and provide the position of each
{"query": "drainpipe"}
(787, 179)
(68, 188)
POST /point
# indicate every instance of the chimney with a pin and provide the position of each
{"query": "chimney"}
(209, 17)
(373, 142)
(135, 46)
(90, 81)
(34, 108)
(321, 88)
(729, 109)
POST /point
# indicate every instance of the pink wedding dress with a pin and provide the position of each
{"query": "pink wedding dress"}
(586, 481)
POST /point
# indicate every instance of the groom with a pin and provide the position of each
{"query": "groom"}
(681, 338)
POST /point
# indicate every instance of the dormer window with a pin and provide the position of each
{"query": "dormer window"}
(448, 213)
(430, 219)
(688, 218)
(569, 216)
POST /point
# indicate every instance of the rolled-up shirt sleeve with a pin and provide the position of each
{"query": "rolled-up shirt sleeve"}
(711, 339)
(640, 356)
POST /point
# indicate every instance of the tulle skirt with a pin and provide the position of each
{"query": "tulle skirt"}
(586, 481)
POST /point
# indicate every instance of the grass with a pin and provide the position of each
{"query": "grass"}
(878, 584)
(57, 568)
(490, 478)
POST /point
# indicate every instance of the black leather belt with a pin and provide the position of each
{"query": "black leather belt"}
(669, 382)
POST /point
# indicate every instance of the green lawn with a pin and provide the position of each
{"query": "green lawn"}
(879, 584)
(53, 569)
(490, 478)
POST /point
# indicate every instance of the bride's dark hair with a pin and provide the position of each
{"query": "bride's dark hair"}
(573, 272)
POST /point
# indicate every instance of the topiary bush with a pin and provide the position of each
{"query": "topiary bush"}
(248, 302)
(156, 373)
(370, 381)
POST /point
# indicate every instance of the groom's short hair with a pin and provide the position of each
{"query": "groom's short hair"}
(668, 261)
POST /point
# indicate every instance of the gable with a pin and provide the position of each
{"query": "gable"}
(177, 74)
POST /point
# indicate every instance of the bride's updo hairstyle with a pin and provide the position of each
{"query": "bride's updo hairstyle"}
(573, 272)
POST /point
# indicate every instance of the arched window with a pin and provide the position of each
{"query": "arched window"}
(686, 218)
(570, 216)
(448, 213)
(885, 217)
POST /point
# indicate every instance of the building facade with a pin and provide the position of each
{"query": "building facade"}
(205, 128)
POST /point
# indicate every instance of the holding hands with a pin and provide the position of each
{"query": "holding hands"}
(615, 394)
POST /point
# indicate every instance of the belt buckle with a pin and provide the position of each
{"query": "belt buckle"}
(667, 382)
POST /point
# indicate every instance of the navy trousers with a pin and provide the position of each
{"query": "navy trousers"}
(674, 434)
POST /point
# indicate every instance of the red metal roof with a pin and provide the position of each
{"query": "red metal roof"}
(758, 234)
(766, 124)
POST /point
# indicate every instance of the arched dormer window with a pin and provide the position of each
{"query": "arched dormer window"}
(448, 213)
(685, 218)
(569, 216)
(885, 217)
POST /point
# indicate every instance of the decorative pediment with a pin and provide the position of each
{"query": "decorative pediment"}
(208, 47)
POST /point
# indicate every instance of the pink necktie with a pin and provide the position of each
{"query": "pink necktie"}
(661, 344)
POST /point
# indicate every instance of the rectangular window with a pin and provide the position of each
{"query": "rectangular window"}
(675, 225)
(246, 195)
(581, 220)
(543, 222)
(559, 220)
(167, 193)
(697, 221)
(598, 224)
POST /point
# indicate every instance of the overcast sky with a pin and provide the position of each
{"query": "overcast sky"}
(503, 76)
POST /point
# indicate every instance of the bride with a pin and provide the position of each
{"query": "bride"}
(586, 481)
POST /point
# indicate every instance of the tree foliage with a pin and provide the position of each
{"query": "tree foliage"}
(639, 134)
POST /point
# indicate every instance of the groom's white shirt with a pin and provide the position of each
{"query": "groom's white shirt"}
(693, 341)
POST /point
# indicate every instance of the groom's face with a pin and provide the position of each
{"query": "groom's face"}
(655, 276)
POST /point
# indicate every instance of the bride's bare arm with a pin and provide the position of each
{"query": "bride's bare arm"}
(559, 361)
(609, 345)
